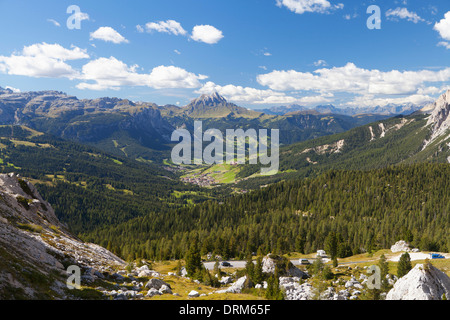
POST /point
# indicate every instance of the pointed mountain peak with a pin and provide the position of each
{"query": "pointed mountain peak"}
(439, 119)
(209, 100)
(442, 102)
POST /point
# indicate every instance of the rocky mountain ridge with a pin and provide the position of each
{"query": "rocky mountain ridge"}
(36, 249)
(439, 119)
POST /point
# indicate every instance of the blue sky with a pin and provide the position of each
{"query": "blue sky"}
(256, 53)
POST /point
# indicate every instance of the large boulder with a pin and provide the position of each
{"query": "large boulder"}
(285, 267)
(156, 284)
(236, 287)
(194, 294)
(400, 246)
(423, 282)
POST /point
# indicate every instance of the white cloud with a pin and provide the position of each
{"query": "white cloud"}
(207, 34)
(55, 51)
(169, 26)
(108, 34)
(15, 90)
(267, 54)
(302, 6)
(43, 60)
(444, 44)
(239, 94)
(403, 13)
(443, 27)
(372, 101)
(352, 79)
(350, 16)
(320, 63)
(111, 73)
(177, 51)
(139, 29)
(54, 22)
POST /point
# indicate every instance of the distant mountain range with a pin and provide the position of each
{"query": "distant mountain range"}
(388, 110)
(421, 137)
(142, 130)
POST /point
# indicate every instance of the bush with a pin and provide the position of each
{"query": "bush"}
(24, 202)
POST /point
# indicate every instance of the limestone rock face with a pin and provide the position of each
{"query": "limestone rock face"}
(439, 120)
(271, 261)
(32, 237)
(423, 282)
(400, 246)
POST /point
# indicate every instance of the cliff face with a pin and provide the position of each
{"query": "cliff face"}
(439, 119)
(36, 249)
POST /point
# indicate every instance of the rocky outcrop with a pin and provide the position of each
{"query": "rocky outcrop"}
(400, 246)
(36, 249)
(236, 287)
(423, 282)
(285, 267)
(439, 119)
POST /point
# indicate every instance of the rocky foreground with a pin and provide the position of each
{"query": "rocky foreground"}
(36, 248)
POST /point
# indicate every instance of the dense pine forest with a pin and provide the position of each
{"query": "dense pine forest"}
(140, 210)
(89, 188)
(366, 210)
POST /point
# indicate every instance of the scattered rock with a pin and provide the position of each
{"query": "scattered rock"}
(153, 292)
(156, 284)
(235, 287)
(165, 289)
(193, 294)
(226, 280)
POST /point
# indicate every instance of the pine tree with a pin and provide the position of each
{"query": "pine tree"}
(384, 268)
(258, 276)
(250, 267)
(331, 245)
(193, 259)
(404, 265)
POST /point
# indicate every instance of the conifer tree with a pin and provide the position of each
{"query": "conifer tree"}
(404, 265)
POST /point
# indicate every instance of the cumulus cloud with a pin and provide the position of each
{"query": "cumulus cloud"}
(239, 94)
(372, 101)
(403, 13)
(320, 63)
(302, 6)
(111, 73)
(352, 79)
(207, 34)
(43, 60)
(169, 26)
(443, 27)
(15, 90)
(108, 34)
(444, 44)
(139, 29)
